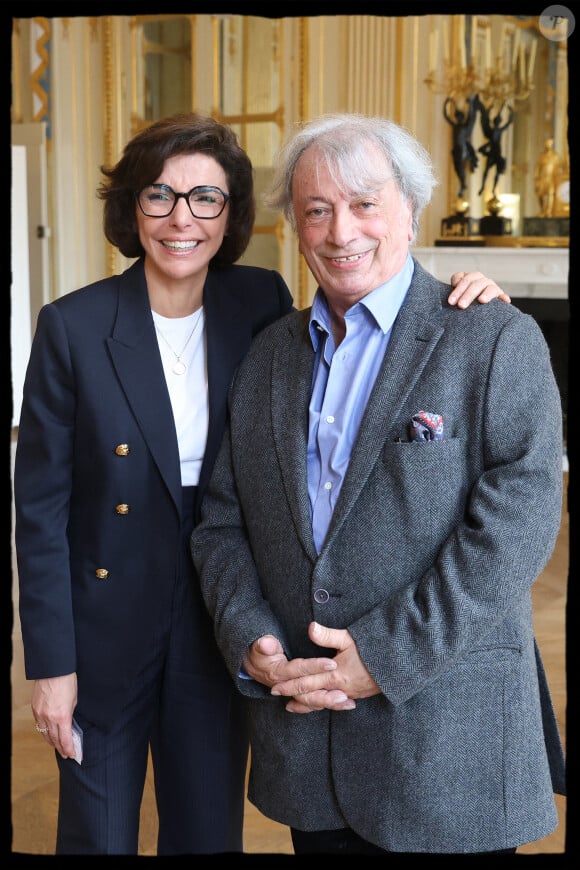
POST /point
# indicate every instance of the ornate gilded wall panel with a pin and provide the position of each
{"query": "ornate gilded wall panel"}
(107, 76)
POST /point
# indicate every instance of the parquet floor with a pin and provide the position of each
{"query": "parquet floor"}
(34, 771)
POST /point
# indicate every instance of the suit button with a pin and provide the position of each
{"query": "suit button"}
(321, 596)
(102, 573)
(122, 449)
(122, 509)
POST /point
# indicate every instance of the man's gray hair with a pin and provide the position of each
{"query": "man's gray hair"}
(343, 140)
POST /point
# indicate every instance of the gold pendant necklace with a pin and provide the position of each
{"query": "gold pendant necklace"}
(179, 367)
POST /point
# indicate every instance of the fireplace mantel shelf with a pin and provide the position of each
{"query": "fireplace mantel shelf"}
(533, 273)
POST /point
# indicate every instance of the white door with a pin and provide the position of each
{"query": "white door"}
(33, 137)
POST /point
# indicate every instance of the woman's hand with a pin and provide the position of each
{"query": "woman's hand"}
(468, 286)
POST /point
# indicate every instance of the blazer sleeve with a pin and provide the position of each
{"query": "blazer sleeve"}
(488, 563)
(42, 489)
(228, 576)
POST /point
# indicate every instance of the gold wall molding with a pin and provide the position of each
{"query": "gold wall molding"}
(16, 107)
(42, 37)
(108, 111)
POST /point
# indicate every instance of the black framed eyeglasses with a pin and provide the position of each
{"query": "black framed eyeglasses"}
(205, 202)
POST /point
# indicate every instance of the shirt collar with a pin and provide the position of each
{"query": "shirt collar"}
(383, 303)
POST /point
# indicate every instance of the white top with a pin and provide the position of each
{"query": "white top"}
(181, 344)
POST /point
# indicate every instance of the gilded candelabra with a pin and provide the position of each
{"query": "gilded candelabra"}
(477, 79)
(469, 66)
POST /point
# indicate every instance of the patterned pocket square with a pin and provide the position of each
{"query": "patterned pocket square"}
(425, 426)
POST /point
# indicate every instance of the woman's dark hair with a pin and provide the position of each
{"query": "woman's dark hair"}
(142, 163)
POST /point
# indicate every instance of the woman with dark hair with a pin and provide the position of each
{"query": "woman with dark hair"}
(144, 159)
(124, 409)
(123, 413)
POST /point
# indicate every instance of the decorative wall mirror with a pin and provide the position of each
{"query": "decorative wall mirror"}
(244, 68)
(163, 56)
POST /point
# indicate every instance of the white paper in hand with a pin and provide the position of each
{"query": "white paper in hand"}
(77, 736)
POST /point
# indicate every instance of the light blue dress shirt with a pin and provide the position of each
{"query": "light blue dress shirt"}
(342, 381)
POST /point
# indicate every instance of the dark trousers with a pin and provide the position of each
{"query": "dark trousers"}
(345, 841)
(184, 708)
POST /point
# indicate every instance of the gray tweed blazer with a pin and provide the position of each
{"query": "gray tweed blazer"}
(429, 561)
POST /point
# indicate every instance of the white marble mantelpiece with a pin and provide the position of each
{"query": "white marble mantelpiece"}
(533, 273)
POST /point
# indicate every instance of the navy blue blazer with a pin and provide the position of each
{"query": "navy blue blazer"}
(98, 524)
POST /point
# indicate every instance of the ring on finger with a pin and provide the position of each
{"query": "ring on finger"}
(41, 730)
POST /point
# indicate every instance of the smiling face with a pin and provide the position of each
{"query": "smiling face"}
(352, 242)
(178, 247)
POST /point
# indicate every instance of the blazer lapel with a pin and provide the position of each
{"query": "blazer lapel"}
(228, 336)
(135, 355)
(290, 397)
(415, 334)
